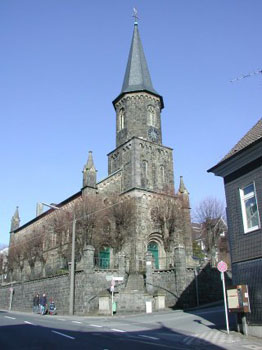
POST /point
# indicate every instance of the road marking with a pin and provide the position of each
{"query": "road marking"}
(252, 347)
(95, 325)
(147, 336)
(64, 335)
(188, 340)
(12, 318)
(118, 330)
(76, 322)
(27, 322)
(61, 319)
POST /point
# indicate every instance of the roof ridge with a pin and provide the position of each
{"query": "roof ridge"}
(254, 134)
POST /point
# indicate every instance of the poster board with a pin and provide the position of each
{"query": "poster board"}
(238, 298)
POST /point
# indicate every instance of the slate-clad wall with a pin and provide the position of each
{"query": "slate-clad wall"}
(243, 246)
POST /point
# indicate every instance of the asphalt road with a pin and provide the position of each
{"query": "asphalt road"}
(202, 329)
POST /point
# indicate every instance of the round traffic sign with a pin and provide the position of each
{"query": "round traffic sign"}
(222, 266)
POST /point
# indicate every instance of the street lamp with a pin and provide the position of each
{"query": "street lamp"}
(72, 271)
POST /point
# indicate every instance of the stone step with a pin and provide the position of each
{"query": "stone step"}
(135, 283)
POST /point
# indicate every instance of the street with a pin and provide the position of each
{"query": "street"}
(202, 329)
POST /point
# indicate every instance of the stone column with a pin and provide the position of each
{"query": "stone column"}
(121, 264)
(160, 300)
(149, 273)
(180, 265)
(88, 258)
(104, 304)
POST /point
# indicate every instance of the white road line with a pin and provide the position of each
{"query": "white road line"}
(118, 330)
(61, 319)
(95, 325)
(12, 318)
(188, 340)
(64, 335)
(27, 322)
(147, 336)
(76, 322)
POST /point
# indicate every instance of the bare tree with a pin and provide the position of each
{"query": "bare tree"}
(16, 256)
(166, 213)
(113, 222)
(210, 213)
(33, 247)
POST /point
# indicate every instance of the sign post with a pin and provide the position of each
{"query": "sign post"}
(112, 288)
(222, 267)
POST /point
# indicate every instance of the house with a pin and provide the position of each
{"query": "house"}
(207, 249)
(241, 170)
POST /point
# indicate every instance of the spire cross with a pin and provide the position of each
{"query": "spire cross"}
(135, 15)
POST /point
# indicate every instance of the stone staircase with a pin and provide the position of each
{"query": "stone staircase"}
(135, 283)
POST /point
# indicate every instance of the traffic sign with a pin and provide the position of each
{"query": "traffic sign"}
(222, 266)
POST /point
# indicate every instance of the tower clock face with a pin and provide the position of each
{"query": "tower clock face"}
(153, 134)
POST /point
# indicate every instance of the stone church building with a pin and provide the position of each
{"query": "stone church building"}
(133, 224)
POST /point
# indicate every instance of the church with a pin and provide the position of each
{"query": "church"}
(133, 224)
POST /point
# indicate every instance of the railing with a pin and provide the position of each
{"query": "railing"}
(106, 264)
(163, 264)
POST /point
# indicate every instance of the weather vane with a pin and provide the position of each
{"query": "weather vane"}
(135, 15)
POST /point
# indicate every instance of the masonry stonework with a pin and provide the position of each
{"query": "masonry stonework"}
(132, 225)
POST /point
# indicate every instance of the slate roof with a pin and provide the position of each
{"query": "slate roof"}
(251, 136)
(137, 76)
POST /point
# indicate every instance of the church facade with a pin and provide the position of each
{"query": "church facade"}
(133, 223)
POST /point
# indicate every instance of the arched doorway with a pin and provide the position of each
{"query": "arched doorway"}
(153, 249)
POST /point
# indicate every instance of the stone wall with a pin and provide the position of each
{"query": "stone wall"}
(90, 284)
(87, 289)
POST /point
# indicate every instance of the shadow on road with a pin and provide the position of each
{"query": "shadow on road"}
(218, 320)
(39, 337)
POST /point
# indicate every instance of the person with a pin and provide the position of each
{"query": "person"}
(52, 307)
(36, 303)
(43, 304)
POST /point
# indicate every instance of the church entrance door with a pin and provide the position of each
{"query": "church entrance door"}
(153, 248)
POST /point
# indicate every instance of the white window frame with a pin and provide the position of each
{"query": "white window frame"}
(243, 199)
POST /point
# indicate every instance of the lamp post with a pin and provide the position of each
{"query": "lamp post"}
(72, 270)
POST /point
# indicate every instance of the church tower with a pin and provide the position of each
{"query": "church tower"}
(144, 161)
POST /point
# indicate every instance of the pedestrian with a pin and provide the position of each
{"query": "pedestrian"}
(43, 303)
(36, 304)
(52, 307)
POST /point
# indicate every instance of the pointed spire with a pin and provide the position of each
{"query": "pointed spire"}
(182, 187)
(89, 172)
(137, 76)
(15, 221)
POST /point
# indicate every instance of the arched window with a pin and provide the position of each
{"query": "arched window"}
(144, 168)
(106, 227)
(104, 258)
(162, 174)
(151, 116)
(152, 247)
(121, 119)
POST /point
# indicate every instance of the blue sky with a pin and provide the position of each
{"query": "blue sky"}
(62, 64)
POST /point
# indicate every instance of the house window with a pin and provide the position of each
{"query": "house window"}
(249, 208)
